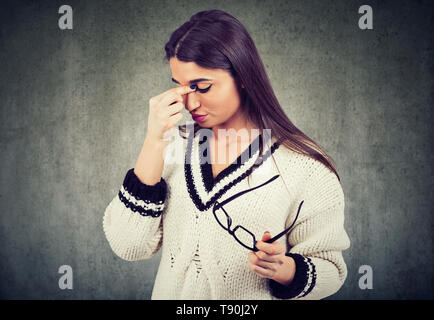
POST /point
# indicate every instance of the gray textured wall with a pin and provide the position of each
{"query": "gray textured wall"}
(74, 116)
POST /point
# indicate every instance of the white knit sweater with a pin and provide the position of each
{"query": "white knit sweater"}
(201, 260)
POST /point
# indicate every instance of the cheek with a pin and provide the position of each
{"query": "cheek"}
(230, 105)
(221, 103)
(210, 102)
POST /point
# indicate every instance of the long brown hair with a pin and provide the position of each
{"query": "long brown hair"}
(214, 39)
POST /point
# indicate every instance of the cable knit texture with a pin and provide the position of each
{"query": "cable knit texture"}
(201, 260)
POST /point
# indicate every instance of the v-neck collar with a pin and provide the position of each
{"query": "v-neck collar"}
(203, 188)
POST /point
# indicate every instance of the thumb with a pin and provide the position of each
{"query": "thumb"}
(266, 236)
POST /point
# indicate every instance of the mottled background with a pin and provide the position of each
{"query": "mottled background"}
(74, 108)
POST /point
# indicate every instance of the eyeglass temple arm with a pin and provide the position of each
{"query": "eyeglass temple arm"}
(243, 192)
(286, 230)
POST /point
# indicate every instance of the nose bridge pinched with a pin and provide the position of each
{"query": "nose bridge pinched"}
(191, 101)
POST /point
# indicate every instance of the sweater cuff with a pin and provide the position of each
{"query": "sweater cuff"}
(301, 285)
(142, 198)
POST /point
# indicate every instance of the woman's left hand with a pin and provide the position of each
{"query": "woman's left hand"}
(271, 262)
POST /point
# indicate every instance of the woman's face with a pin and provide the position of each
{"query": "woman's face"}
(216, 96)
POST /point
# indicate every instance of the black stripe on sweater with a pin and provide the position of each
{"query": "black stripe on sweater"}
(302, 284)
(194, 195)
(150, 195)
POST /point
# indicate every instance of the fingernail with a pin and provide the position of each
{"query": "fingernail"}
(267, 232)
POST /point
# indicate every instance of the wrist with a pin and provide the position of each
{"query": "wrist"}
(155, 144)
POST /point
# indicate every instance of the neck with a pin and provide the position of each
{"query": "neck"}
(238, 127)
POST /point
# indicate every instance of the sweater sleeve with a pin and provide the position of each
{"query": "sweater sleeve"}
(132, 221)
(317, 240)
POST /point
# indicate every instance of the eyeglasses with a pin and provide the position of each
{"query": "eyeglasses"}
(246, 238)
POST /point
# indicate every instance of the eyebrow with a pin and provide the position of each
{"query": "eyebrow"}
(193, 81)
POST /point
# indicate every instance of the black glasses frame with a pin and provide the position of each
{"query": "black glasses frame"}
(218, 205)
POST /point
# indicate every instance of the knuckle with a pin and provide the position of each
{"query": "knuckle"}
(254, 259)
(258, 260)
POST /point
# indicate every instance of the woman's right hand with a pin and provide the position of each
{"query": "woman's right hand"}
(165, 112)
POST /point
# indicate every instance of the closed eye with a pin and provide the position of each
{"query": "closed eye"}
(203, 90)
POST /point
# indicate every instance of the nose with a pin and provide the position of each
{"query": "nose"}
(191, 101)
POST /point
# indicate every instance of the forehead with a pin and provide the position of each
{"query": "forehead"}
(183, 72)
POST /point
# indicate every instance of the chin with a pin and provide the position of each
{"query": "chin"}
(204, 124)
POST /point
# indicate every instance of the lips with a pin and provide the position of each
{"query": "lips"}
(198, 117)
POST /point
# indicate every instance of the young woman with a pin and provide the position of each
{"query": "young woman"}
(263, 221)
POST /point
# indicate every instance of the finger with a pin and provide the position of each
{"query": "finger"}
(173, 120)
(272, 267)
(261, 255)
(178, 90)
(270, 248)
(173, 109)
(265, 264)
(262, 272)
(171, 95)
(266, 236)
(184, 90)
(169, 98)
